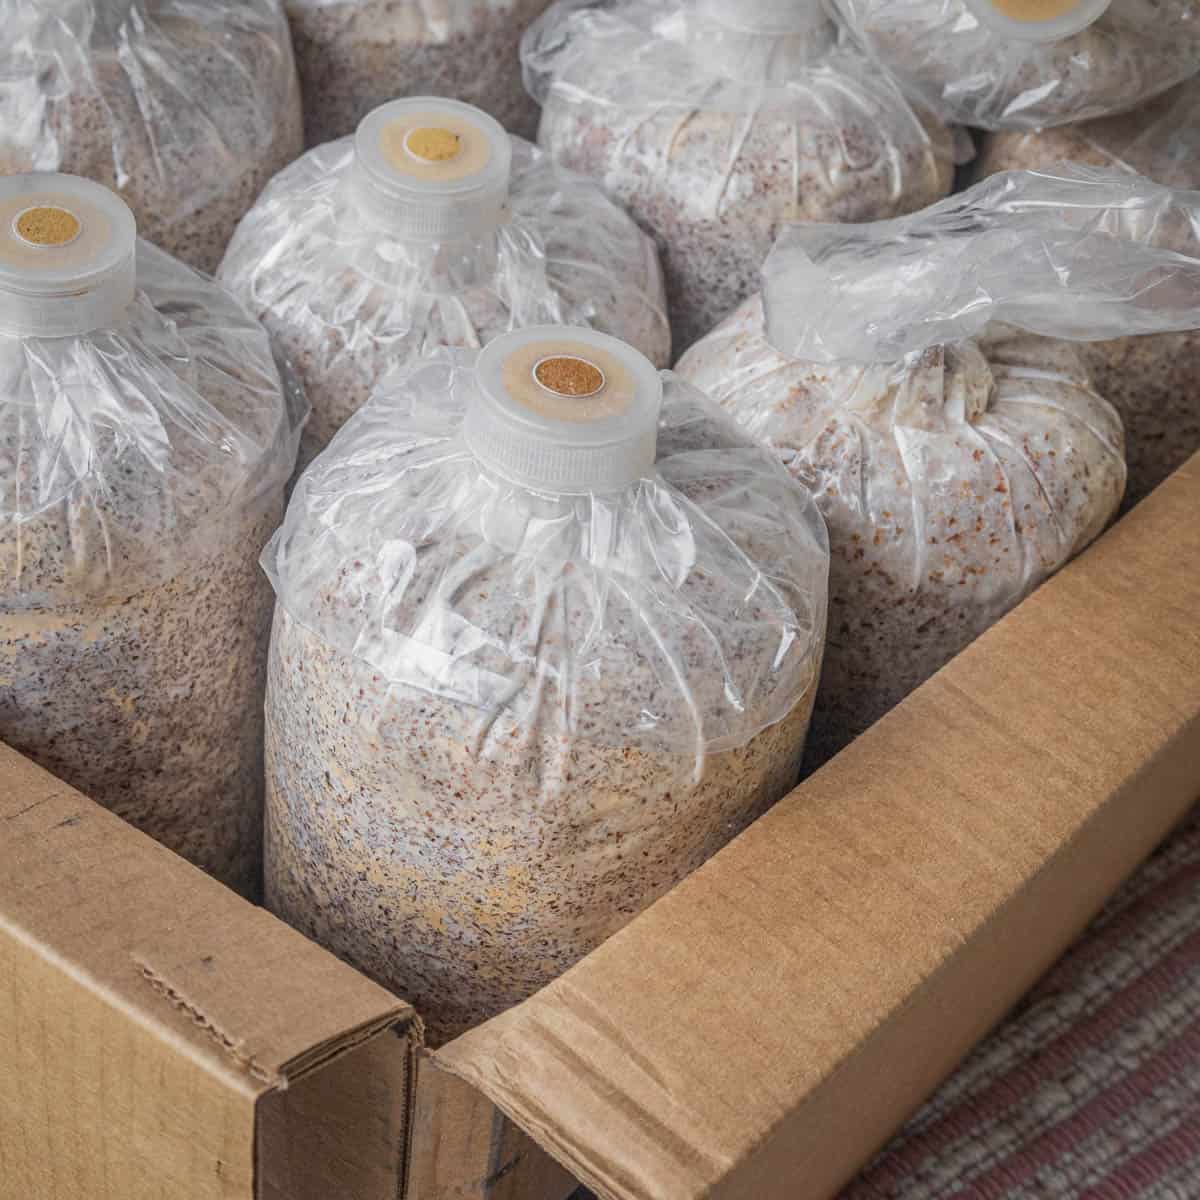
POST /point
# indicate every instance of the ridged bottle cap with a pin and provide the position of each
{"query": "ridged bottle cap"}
(565, 410)
(1037, 20)
(67, 248)
(428, 168)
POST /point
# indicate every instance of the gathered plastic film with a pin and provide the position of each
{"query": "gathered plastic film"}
(1072, 252)
(711, 133)
(184, 109)
(349, 301)
(1160, 140)
(674, 56)
(969, 73)
(953, 482)
(702, 587)
(705, 44)
(123, 451)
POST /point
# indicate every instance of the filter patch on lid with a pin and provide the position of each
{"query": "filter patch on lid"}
(434, 147)
(1037, 20)
(566, 375)
(567, 410)
(1035, 10)
(47, 225)
(432, 144)
(59, 232)
(564, 380)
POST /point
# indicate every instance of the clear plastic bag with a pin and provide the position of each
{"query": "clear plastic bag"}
(184, 108)
(958, 457)
(357, 267)
(357, 54)
(143, 456)
(713, 123)
(503, 714)
(1154, 379)
(969, 73)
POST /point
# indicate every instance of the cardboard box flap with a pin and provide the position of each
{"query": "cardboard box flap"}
(828, 968)
(244, 994)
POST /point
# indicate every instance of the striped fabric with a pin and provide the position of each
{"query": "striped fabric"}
(1092, 1088)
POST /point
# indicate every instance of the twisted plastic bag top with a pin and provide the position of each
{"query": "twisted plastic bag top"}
(1073, 252)
(684, 612)
(184, 107)
(968, 73)
(720, 57)
(351, 299)
(124, 451)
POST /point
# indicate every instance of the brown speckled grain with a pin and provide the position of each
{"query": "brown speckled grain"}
(141, 472)
(186, 116)
(358, 54)
(466, 856)
(348, 302)
(968, 74)
(712, 165)
(951, 488)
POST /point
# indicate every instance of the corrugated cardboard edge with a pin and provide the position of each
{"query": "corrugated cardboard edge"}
(464, 1148)
(106, 921)
(704, 1052)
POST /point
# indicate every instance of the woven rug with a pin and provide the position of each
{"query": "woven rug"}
(1091, 1088)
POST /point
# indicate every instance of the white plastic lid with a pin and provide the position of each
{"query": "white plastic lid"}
(428, 168)
(566, 410)
(1037, 20)
(765, 16)
(67, 250)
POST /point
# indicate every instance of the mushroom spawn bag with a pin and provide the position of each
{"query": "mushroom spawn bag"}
(357, 54)
(142, 465)
(184, 107)
(712, 127)
(949, 59)
(1153, 380)
(503, 717)
(359, 259)
(958, 460)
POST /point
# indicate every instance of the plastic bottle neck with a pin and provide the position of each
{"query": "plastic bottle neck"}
(69, 314)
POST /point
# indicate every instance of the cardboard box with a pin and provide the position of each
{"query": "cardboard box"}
(758, 1033)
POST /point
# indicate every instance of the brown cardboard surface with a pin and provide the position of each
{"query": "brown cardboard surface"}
(464, 1148)
(762, 1029)
(341, 1133)
(147, 1012)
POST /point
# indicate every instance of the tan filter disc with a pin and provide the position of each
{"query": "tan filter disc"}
(48, 225)
(438, 147)
(565, 375)
(47, 235)
(432, 145)
(1036, 10)
(566, 380)
(1037, 20)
